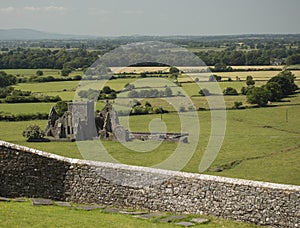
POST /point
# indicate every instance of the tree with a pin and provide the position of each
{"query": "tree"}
(168, 92)
(133, 94)
(66, 72)
(275, 90)
(204, 92)
(237, 105)
(293, 59)
(289, 75)
(259, 96)
(147, 104)
(39, 73)
(107, 90)
(230, 91)
(286, 81)
(61, 107)
(143, 75)
(213, 78)
(33, 132)
(221, 67)
(250, 81)
(6, 79)
(129, 86)
(245, 90)
(174, 70)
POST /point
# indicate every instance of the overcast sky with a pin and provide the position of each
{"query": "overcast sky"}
(152, 17)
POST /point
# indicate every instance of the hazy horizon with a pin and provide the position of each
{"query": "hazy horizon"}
(153, 18)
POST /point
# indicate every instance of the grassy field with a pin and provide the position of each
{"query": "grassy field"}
(32, 72)
(260, 144)
(13, 214)
(265, 146)
(66, 89)
(257, 75)
(26, 108)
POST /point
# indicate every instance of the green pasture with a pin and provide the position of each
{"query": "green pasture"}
(64, 89)
(15, 214)
(263, 143)
(48, 86)
(260, 143)
(263, 75)
(257, 75)
(26, 108)
(32, 72)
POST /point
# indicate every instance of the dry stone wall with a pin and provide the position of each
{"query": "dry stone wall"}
(31, 173)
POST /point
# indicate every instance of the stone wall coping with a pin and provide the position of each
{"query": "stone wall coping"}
(205, 177)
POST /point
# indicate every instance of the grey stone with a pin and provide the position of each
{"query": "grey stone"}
(173, 218)
(19, 200)
(200, 220)
(186, 224)
(133, 212)
(63, 204)
(41, 202)
(4, 199)
(150, 216)
(90, 207)
(112, 210)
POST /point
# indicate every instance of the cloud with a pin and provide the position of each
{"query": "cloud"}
(95, 11)
(7, 9)
(45, 9)
(133, 11)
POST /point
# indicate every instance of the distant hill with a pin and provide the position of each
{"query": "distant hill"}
(30, 34)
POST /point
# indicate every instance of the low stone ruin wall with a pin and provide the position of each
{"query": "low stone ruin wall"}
(31, 173)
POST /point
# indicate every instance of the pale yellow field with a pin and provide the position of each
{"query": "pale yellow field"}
(186, 69)
(258, 67)
(194, 72)
(138, 70)
(257, 75)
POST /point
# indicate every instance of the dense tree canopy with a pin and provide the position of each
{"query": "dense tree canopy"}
(276, 91)
(286, 81)
(6, 79)
(293, 59)
(45, 58)
(259, 96)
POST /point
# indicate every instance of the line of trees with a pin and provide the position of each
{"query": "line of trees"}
(45, 58)
(147, 93)
(276, 88)
(68, 60)
(10, 95)
(249, 58)
(105, 93)
(23, 117)
(7, 79)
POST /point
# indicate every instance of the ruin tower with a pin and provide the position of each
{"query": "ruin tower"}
(78, 122)
(83, 120)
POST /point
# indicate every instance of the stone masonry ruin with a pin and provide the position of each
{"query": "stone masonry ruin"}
(26, 172)
(74, 124)
(81, 122)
